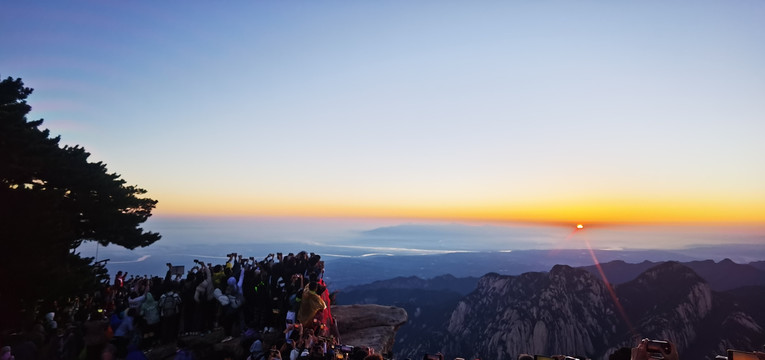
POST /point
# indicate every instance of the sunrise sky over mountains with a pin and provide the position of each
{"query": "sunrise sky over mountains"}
(554, 112)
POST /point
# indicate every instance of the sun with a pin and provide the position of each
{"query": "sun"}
(580, 226)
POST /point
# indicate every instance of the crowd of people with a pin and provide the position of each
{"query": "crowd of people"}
(246, 298)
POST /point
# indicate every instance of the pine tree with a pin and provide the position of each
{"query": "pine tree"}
(51, 200)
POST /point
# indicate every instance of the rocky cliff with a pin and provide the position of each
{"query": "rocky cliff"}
(373, 326)
(668, 301)
(572, 311)
(566, 310)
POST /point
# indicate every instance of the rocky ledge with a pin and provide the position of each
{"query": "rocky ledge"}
(374, 326)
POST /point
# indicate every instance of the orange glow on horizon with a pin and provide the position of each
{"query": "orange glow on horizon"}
(593, 213)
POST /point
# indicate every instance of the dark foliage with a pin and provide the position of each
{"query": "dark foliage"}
(51, 200)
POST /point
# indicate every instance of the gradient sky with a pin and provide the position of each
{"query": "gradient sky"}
(559, 111)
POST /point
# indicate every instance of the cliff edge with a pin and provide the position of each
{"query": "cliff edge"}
(374, 326)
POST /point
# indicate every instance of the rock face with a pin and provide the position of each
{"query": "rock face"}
(374, 326)
(566, 309)
(668, 301)
(573, 312)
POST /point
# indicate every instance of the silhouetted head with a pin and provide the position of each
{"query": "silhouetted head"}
(373, 357)
(624, 353)
(109, 352)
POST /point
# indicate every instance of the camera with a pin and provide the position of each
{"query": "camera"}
(743, 355)
(341, 348)
(658, 349)
(659, 346)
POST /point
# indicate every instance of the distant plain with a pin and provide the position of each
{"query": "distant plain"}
(359, 251)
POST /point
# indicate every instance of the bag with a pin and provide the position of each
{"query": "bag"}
(150, 313)
(169, 305)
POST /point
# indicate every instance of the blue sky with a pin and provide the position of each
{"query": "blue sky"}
(532, 111)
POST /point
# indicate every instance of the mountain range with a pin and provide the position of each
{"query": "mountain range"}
(721, 276)
(358, 270)
(573, 311)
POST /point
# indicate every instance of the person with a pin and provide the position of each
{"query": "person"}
(125, 333)
(316, 352)
(119, 279)
(189, 309)
(169, 307)
(274, 354)
(310, 304)
(149, 310)
(295, 351)
(287, 348)
(230, 307)
(374, 356)
(226, 313)
(5, 353)
(109, 352)
(95, 336)
(135, 299)
(256, 350)
(203, 296)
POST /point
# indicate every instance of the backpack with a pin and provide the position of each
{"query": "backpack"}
(168, 304)
(150, 312)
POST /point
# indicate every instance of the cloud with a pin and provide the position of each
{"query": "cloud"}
(140, 259)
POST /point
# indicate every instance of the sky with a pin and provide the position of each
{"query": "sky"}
(594, 112)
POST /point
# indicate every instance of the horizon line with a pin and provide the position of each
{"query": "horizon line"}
(469, 220)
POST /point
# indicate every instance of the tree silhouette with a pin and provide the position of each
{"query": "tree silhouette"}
(51, 200)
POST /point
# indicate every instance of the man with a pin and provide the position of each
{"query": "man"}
(169, 307)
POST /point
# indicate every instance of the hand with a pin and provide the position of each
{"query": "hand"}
(640, 352)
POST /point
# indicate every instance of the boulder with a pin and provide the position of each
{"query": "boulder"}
(372, 326)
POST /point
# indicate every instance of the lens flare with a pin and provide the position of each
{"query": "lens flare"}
(609, 287)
